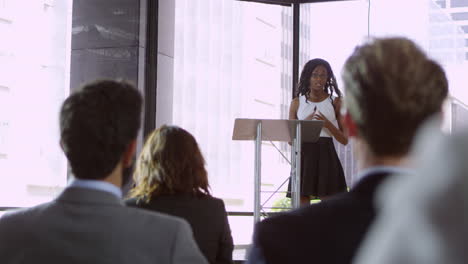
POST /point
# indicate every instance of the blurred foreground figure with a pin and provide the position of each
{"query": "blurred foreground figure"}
(424, 220)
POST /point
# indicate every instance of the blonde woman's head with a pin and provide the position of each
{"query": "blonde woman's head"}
(170, 163)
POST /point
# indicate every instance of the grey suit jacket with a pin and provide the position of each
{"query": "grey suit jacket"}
(90, 226)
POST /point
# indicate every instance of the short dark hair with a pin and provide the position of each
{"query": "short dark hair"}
(97, 123)
(170, 163)
(392, 87)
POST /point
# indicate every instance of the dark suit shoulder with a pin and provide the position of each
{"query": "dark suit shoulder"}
(165, 200)
(206, 216)
(152, 216)
(368, 185)
(296, 215)
(154, 224)
(319, 229)
(314, 213)
(213, 200)
(337, 224)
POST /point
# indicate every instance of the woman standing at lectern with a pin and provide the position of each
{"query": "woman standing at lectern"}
(321, 171)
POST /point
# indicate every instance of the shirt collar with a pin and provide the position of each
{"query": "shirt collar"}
(96, 185)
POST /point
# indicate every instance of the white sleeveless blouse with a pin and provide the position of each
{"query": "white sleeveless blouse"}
(325, 106)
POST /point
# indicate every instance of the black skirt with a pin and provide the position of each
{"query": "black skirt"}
(321, 171)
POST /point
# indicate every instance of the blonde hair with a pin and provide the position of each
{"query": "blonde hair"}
(170, 163)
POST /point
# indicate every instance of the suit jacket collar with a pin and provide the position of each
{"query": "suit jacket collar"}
(370, 178)
(368, 185)
(88, 196)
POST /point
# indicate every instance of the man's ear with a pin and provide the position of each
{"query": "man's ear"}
(350, 125)
(128, 154)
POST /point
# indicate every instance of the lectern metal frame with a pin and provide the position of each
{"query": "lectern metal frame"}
(296, 182)
(277, 130)
(258, 173)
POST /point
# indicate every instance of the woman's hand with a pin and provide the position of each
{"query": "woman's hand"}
(319, 116)
(311, 116)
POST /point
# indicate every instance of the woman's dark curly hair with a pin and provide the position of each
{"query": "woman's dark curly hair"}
(303, 87)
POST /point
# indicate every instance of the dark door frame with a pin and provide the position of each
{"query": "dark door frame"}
(151, 66)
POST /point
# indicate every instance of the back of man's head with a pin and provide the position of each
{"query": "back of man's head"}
(391, 88)
(97, 124)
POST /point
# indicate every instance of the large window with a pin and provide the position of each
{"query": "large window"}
(232, 60)
(434, 27)
(34, 62)
(335, 28)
